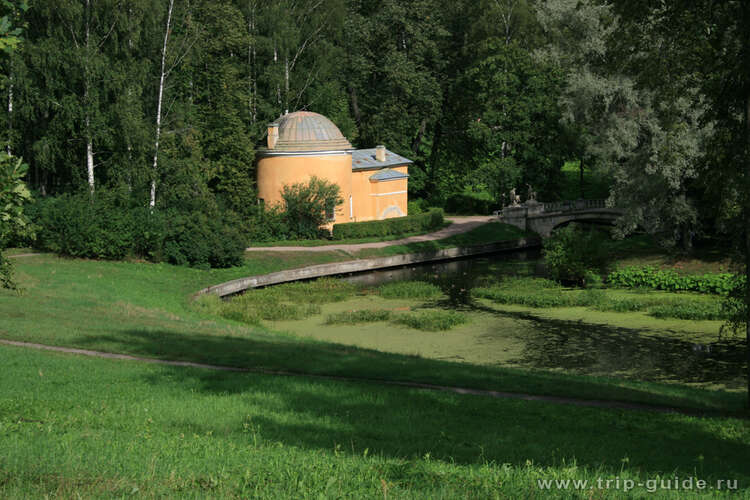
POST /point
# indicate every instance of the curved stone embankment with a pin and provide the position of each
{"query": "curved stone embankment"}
(360, 265)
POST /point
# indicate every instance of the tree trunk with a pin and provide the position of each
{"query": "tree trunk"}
(278, 85)
(90, 159)
(355, 105)
(10, 112)
(583, 195)
(152, 201)
(418, 139)
(434, 154)
(87, 105)
(286, 84)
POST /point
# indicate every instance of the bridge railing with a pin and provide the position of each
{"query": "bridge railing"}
(571, 205)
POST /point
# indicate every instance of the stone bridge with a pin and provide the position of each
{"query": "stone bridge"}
(543, 218)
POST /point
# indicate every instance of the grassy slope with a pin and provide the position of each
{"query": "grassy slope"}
(154, 431)
(142, 308)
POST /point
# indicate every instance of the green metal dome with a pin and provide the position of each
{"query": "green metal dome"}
(307, 131)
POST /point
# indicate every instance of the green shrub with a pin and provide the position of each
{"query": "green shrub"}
(409, 290)
(270, 224)
(355, 317)
(574, 253)
(203, 239)
(14, 224)
(433, 219)
(108, 225)
(308, 206)
(431, 321)
(99, 226)
(669, 280)
(417, 207)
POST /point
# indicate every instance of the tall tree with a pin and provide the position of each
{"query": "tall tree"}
(704, 46)
(515, 130)
(179, 36)
(393, 51)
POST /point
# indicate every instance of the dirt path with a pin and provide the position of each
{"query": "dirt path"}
(459, 225)
(613, 405)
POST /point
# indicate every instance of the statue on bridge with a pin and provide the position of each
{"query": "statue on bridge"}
(515, 200)
(531, 194)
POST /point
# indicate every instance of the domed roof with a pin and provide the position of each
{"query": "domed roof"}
(307, 131)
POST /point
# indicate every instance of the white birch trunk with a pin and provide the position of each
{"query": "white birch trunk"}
(87, 105)
(276, 60)
(10, 114)
(162, 78)
(286, 84)
(90, 161)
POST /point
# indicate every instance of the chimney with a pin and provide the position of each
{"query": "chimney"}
(380, 153)
(273, 135)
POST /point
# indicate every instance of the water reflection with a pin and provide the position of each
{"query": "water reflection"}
(572, 346)
(602, 349)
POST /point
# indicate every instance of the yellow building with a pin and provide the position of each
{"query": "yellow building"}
(373, 181)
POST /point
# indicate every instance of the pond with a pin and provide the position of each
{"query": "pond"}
(572, 339)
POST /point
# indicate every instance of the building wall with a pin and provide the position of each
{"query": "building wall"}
(363, 199)
(374, 200)
(274, 172)
(363, 203)
(391, 199)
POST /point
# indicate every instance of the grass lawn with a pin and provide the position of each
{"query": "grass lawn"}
(73, 426)
(143, 309)
(149, 431)
(349, 241)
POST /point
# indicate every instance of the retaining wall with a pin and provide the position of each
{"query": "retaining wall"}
(359, 265)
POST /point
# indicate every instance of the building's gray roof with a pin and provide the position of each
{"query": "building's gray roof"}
(363, 159)
(307, 131)
(388, 174)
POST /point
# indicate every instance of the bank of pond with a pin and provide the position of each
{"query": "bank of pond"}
(500, 311)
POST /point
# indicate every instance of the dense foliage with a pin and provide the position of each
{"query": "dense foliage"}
(166, 98)
(669, 280)
(106, 226)
(309, 205)
(433, 219)
(542, 293)
(575, 254)
(160, 96)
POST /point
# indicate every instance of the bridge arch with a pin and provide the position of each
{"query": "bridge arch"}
(545, 224)
(544, 218)
(600, 221)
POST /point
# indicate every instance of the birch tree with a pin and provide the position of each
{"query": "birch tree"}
(179, 37)
(159, 101)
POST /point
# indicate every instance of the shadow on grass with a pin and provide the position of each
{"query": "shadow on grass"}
(320, 358)
(409, 424)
